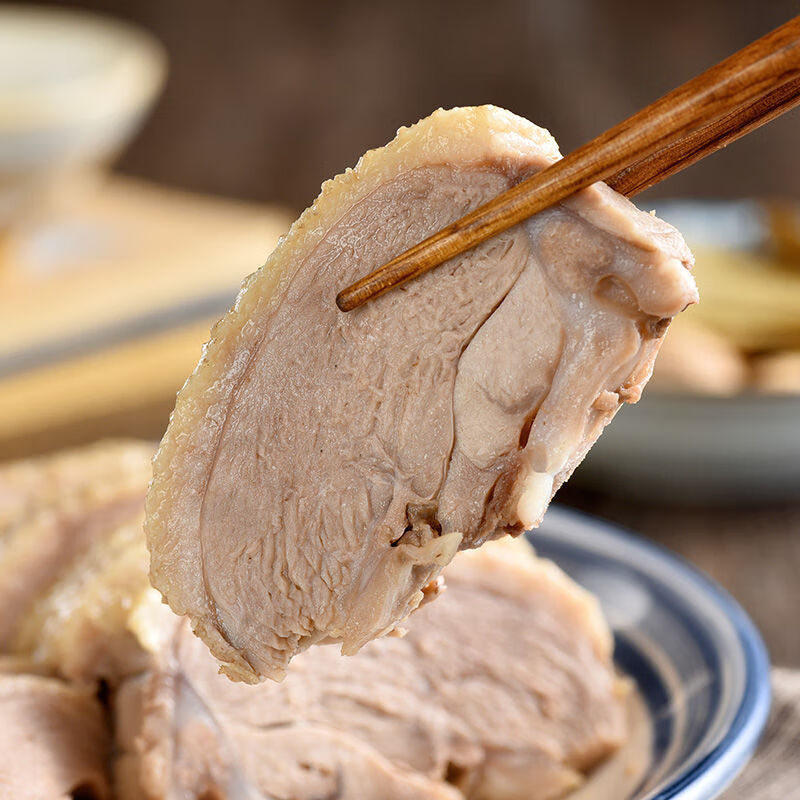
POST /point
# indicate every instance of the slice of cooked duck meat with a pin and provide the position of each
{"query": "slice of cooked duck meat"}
(57, 506)
(78, 628)
(320, 468)
(296, 764)
(389, 724)
(502, 688)
(31, 485)
(53, 741)
(21, 665)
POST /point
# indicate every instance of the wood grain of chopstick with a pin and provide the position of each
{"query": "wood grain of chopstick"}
(739, 94)
(707, 140)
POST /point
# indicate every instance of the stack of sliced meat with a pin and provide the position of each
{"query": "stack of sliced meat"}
(502, 688)
(53, 512)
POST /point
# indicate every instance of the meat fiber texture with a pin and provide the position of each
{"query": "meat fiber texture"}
(54, 743)
(502, 689)
(320, 468)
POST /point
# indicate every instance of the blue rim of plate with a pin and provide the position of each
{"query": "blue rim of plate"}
(715, 771)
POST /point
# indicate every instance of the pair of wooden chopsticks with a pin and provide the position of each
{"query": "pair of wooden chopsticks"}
(736, 96)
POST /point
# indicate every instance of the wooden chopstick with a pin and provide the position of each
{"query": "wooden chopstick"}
(705, 141)
(747, 89)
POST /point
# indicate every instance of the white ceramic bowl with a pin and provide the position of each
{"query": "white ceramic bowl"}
(74, 88)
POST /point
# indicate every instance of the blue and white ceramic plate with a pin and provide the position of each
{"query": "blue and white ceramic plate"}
(698, 660)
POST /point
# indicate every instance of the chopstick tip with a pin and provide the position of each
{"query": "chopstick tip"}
(344, 302)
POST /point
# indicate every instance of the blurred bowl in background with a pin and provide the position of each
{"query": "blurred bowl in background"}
(720, 420)
(74, 89)
(747, 268)
(684, 449)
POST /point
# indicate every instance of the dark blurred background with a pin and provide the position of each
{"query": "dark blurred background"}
(267, 98)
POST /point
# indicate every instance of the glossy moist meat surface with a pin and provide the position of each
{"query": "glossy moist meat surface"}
(321, 468)
(501, 689)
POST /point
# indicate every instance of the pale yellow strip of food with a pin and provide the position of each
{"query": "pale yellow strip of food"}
(113, 380)
(155, 248)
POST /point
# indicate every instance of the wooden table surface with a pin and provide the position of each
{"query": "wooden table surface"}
(105, 308)
(754, 552)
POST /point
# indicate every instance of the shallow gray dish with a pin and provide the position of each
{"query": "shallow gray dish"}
(696, 657)
(681, 448)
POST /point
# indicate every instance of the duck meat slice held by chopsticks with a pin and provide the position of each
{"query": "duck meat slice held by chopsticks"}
(321, 468)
